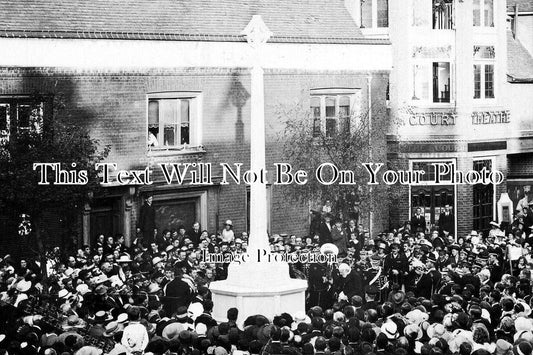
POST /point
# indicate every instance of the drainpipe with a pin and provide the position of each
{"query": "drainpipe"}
(515, 22)
(369, 90)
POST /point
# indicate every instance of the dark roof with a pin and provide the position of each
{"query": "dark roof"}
(314, 21)
(523, 5)
(519, 61)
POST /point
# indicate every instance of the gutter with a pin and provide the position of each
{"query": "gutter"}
(117, 35)
(513, 80)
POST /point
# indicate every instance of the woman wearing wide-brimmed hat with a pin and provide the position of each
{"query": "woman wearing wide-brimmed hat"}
(227, 233)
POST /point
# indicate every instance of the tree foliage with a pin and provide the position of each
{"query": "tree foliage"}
(306, 148)
(56, 140)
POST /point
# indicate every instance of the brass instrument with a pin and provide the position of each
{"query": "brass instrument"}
(329, 248)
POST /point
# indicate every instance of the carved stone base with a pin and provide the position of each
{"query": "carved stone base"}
(258, 288)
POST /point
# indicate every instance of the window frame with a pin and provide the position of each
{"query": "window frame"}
(13, 103)
(494, 192)
(483, 63)
(433, 17)
(482, 24)
(374, 13)
(195, 120)
(353, 95)
(428, 62)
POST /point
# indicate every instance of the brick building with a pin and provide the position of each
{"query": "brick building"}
(177, 73)
(459, 86)
(456, 78)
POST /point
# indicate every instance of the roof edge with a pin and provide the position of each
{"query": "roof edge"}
(513, 80)
(56, 34)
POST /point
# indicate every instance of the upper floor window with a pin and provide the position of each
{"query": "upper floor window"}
(443, 14)
(173, 120)
(483, 13)
(331, 111)
(374, 13)
(20, 114)
(432, 82)
(484, 61)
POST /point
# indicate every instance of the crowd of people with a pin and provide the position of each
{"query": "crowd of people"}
(405, 291)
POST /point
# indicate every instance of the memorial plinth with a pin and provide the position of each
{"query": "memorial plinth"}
(257, 287)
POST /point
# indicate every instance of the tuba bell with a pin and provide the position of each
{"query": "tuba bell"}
(329, 248)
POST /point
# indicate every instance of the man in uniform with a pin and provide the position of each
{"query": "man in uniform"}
(376, 277)
(396, 265)
(319, 285)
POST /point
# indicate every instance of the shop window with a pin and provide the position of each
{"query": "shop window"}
(484, 62)
(483, 13)
(374, 13)
(331, 112)
(483, 199)
(20, 115)
(172, 120)
(443, 14)
(440, 90)
(429, 197)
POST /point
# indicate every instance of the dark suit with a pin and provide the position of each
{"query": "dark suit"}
(399, 263)
(418, 224)
(147, 222)
(177, 294)
(195, 236)
(446, 223)
(338, 237)
(424, 286)
(528, 221)
(324, 232)
(350, 285)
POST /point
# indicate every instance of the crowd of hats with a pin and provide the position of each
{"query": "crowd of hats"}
(93, 302)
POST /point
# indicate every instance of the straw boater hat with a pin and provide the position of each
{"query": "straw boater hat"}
(64, 294)
(111, 329)
(23, 286)
(300, 317)
(495, 224)
(100, 279)
(124, 258)
(390, 329)
(102, 316)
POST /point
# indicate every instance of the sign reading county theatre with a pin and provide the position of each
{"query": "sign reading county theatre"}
(432, 118)
(489, 117)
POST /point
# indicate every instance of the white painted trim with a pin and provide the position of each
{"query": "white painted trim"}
(86, 53)
(195, 116)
